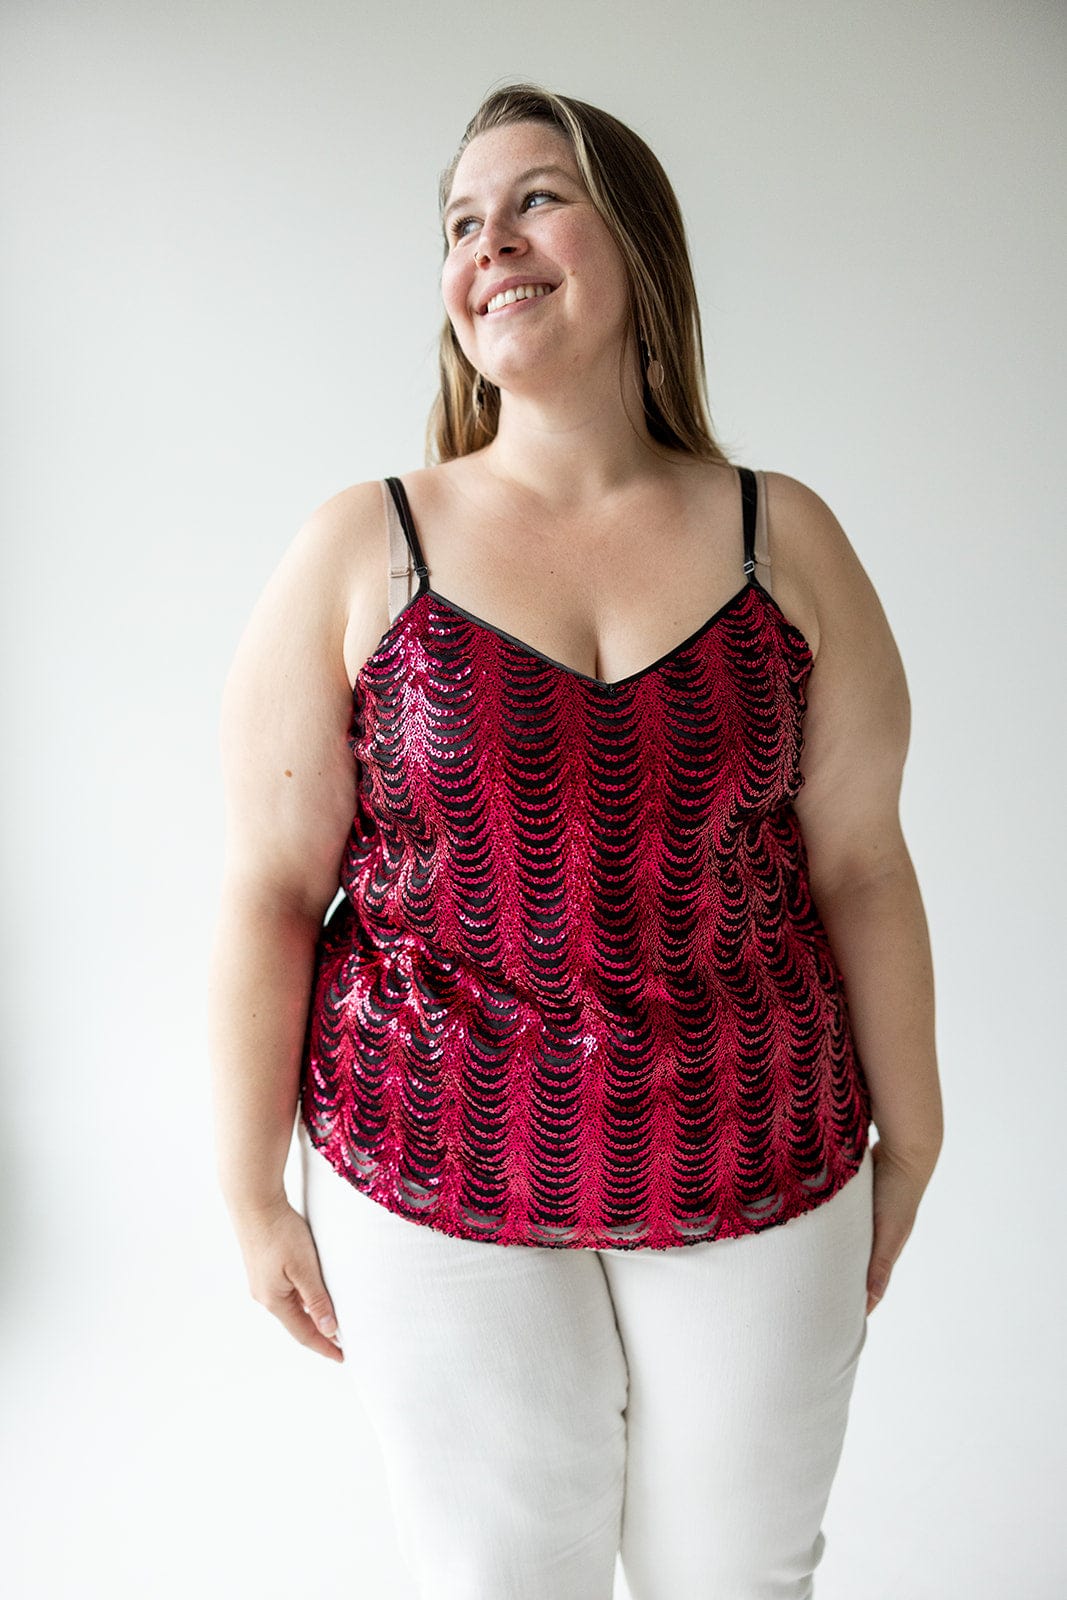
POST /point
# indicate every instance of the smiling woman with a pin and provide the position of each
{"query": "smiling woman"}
(602, 174)
(629, 952)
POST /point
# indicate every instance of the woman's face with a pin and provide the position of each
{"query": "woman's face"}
(540, 227)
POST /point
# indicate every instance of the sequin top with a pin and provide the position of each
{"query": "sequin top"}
(576, 992)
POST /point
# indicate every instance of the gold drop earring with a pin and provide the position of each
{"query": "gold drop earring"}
(654, 373)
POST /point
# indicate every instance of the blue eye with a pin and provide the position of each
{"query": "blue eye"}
(459, 223)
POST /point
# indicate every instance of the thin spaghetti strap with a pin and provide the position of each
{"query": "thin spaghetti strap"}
(402, 505)
(405, 553)
(399, 557)
(762, 546)
(749, 492)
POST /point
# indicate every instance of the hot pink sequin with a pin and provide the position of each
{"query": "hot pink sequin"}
(578, 993)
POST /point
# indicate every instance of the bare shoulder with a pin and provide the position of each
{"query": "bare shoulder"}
(346, 530)
(304, 608)
(817, 574)
(351, 532)
(803, 521)
(325, 596)
(348, 537)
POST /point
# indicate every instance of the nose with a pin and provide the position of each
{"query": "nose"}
(496, 239)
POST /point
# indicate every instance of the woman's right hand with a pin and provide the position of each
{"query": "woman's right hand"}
(283, 1270)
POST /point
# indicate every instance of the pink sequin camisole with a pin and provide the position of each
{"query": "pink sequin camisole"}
(576, 992)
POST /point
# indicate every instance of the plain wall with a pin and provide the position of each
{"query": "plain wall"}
(220, 307)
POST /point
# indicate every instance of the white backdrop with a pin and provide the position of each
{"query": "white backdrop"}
(221, 306)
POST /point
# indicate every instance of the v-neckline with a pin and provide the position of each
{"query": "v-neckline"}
(609, 685)
(425, 590)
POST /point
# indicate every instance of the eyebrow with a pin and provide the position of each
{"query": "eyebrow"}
(523, 177)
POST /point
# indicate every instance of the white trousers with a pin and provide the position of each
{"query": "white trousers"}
(540, 1410)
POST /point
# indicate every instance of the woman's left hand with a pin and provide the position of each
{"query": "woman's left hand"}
(899, 1184)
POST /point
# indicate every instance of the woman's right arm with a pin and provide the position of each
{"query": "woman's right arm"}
(290, 794)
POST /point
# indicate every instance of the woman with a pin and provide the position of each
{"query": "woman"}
(615, 811)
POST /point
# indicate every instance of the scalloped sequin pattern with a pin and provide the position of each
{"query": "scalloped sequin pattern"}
(577, 993)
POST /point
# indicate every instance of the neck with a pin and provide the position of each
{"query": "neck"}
(569, 450)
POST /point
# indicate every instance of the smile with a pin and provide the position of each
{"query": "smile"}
(512, 297)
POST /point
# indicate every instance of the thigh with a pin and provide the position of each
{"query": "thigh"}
(496, 1384)
(742, 1355)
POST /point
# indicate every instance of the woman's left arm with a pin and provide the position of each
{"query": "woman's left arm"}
(856, 732)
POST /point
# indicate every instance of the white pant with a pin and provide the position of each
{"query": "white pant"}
(541, 1409)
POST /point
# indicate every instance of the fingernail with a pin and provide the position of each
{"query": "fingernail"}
(327, 1325)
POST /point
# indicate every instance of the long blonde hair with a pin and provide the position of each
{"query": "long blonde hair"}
(633, 194)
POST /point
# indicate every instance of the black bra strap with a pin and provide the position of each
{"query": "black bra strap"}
(407, 522)
(749, 498)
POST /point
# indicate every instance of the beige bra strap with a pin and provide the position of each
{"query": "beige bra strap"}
(401, 566)
(761, 545)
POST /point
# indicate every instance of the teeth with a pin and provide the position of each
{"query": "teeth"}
(525, 291)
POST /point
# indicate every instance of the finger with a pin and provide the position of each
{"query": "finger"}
(318, 1305)
(872, 1301)
(878, 1277)
(290, 1312)
(888, 1240)
(886, 1245)
(314, 1300)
